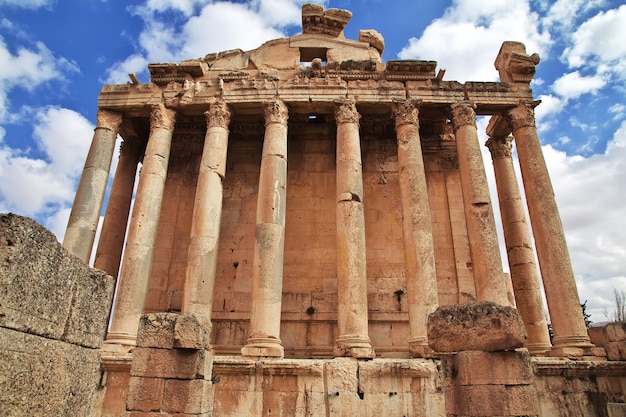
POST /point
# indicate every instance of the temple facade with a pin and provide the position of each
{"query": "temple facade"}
(305, 208)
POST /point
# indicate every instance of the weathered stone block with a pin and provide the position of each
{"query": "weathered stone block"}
(145, 394)
(188, 396)
(484, 368)
(522, 400)
(192, 331)
(45, 377)
(171, 363)
(482, 326)
(156, 330)
(46, 291)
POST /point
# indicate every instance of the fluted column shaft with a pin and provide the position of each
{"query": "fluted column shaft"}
(137, 262)
(519, 247)
(566, 315)
(109, 252)
(419, 249)
(267, 276)
(353, 339)
(85, 214)
(207, 213)
(481, 226)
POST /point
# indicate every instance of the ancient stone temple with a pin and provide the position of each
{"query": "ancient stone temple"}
(312, 235)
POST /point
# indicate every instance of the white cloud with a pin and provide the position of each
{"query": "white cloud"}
(601, 37)
(550, 105)
(466, 40)
(37, 184)
(27, 4)
(167, 40)
(573, 85)
(562, 14)
(28, 68)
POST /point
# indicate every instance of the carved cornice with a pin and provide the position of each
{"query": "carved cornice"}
(463, 114)
(346, 112)
(162, 118)
(522, 116)
(218, 114)
(500, 147)
(275, 112)
(107, 119)
(405, 112)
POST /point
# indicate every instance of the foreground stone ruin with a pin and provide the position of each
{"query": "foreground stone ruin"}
(313, 235)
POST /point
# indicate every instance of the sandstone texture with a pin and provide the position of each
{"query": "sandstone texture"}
(53, 316)
(481, 326)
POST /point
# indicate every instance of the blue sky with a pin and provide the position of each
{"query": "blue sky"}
(55, 55)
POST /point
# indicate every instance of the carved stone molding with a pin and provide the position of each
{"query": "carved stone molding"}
(107, 119)
(275, 112)
(500, 147)
(522, 116)
(218, 114)
(463, 114)
(162, 117)
(346, 112)
(405, 112)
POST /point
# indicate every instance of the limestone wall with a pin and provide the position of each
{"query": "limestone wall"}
(53, 317)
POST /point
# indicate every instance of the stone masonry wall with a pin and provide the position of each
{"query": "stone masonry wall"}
(53, 317)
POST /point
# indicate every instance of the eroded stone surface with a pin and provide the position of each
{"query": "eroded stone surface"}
(482, 326)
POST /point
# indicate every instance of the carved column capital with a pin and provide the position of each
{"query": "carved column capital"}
(500, 147)
(218, 114)
(107, 119)
(463, 114)
(162, 117)
(275, 112)
(522, 116)
(346, 112)
(406, 112)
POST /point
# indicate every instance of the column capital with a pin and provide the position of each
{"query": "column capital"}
(162, 117)
(107, 119)
(406, 112)
(275, 112)
(218, 114)
(463, 113)
(500, 147)
(522, 116)
(346, 112)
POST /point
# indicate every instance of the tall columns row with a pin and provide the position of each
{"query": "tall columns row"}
(566, 314)
(419, 253)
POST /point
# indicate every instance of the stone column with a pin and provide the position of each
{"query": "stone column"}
(109, 252)
(519, 248)
(566, 315)
(207, 213)
(481, 226)
(267, 275)
(135, 272)
(419, 249)
(353, 339)
(85, 214)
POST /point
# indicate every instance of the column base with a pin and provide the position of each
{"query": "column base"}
(263, 347)
(420, 349)
(354, 346)
(119, 342)
(539, 349)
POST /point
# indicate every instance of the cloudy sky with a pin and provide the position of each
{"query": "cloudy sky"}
(55, 55)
